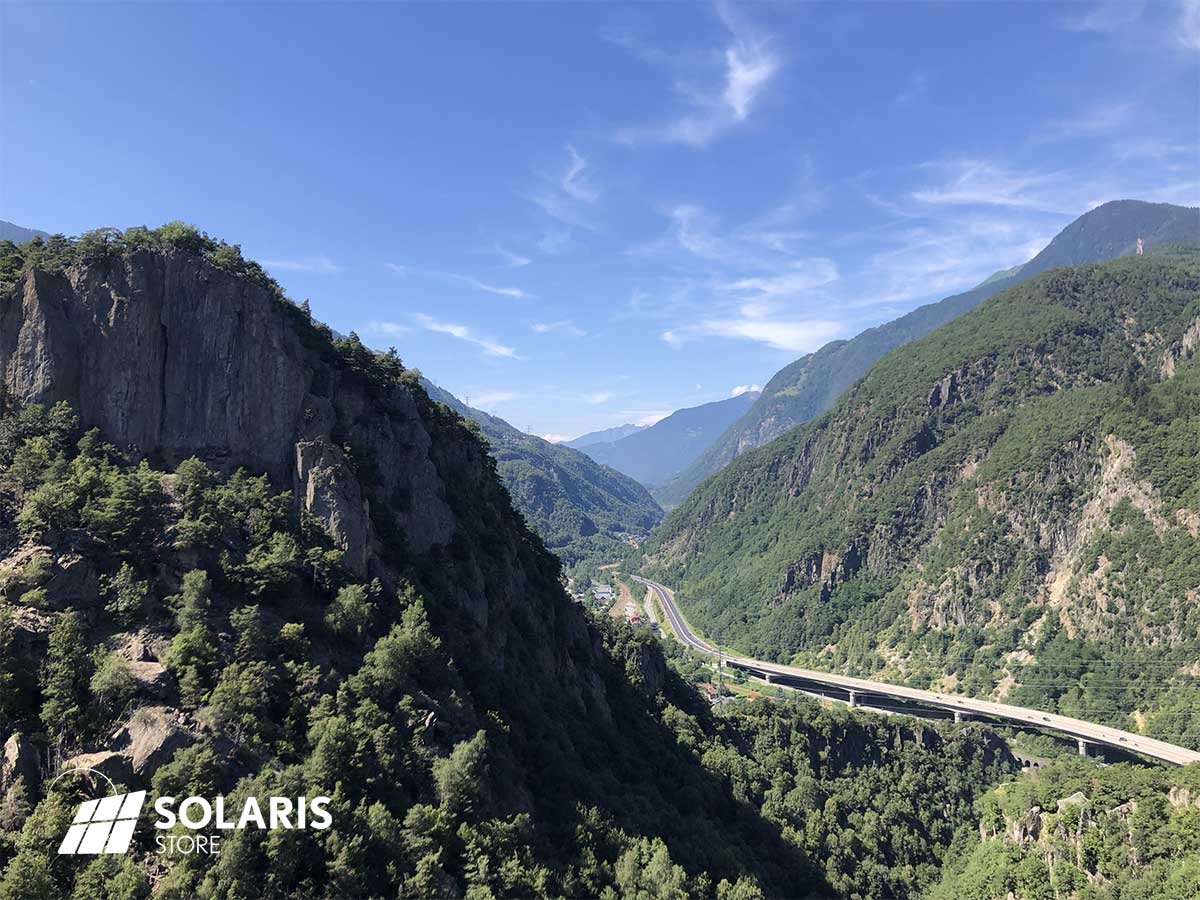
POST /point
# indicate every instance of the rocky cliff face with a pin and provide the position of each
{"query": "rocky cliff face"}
(170, 357)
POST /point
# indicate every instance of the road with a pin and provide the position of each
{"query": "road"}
(648, 602)
(863, 689)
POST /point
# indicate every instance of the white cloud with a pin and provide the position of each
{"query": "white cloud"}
(515, 293)
(564, 327)
(1174, 23)
(464, 333)
(717, 100)
(1100, 118)
(598, 397)
(795, 335)
(390, 328)
(1105, 16)
(556, 438)
(491, 398)
(740, 389)
(982, 183)
(319, 265)
(554, 240)
(805, 275)
(512, 260)
(574, 181)
(654, 417)
(567, 195)
(748, 68)
(1188, 27)
(914, 89)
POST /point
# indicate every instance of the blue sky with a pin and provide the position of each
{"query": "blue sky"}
(578, 215)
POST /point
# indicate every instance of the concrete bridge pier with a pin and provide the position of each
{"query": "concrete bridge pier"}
(769, 678)
(1083, 747)
(853, 699)
(960, 717)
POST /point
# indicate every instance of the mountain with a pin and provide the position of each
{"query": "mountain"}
(654, 454)
(808, 386)
(17, 234)
(1008, 506)
(1076, 832)
(607, 436)
(250, 560)
(583, 511)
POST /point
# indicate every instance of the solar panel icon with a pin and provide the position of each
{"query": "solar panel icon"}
(103, 826)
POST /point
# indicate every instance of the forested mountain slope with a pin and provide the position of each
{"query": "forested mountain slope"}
(239, 557)
(1073, 832)
(1009, 506)
(652, 455)
(810, 385)
(583, 510)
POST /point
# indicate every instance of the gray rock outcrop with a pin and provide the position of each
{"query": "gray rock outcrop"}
(171, 357)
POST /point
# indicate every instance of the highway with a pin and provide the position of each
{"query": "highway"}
(861, 689)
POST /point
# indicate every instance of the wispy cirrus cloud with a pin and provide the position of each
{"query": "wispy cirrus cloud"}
(976, 182)
(597, 397)
(914, 89)
(393, 329)
(318, 265)
(567, 194)
(1188, 28)
(1171, 24)
(564, 327)
(514, 292)
(719, 96)
(989, 183)
(746, 282)
(512, 260)
(489, 399)
(1104, 15)
(465, 333)
(1100, 118)
(797, 335)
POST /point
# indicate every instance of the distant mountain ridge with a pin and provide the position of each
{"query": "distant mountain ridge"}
(606, 436)
(655, 454)
(582, 510)
(805, 388)
(18, 234)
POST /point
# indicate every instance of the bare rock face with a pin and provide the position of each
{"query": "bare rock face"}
(72, 583)
(19, 760)
(329, 490)
(1027, 828)
(171, 357)
(107, 762)
(152, 679)
(151, 737)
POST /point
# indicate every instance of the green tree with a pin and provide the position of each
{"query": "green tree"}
(240, 703)
(459, 776)
(112, 682)
(128, 597)
(350, 613)
(66, 675)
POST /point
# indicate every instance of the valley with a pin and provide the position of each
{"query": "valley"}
(345, 589)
